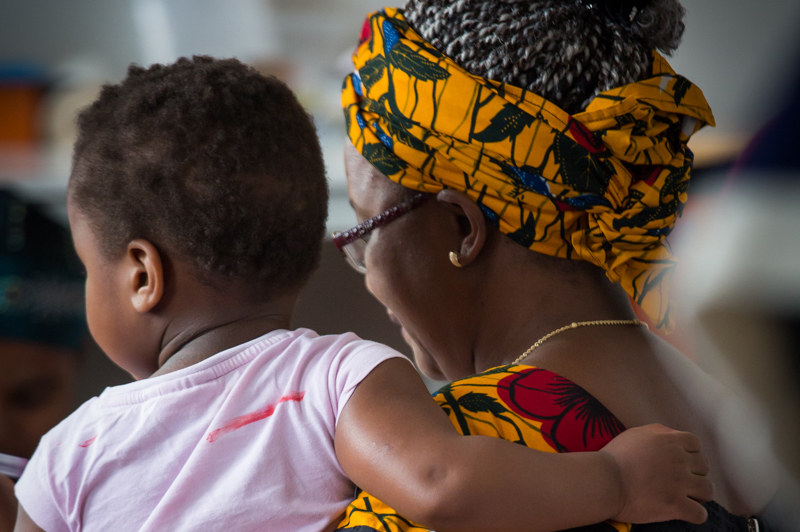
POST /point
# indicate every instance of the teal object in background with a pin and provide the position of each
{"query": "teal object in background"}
(41, 284)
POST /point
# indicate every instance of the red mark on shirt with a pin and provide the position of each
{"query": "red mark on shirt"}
(252, 417)
(87, 443)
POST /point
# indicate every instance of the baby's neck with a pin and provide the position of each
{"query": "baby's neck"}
(191, 340)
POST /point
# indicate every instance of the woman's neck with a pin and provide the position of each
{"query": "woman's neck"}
(536, 300)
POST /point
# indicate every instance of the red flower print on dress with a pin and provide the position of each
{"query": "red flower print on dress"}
(572, 419)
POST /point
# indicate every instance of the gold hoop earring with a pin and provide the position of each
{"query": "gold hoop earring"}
(454, 259)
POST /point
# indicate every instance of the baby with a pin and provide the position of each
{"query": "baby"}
(197, 204)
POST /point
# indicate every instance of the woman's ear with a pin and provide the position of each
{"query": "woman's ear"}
(473, 224)
(146, 275)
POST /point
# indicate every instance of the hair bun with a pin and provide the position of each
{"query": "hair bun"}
(566, 51)
(625, 10)
(657, 24)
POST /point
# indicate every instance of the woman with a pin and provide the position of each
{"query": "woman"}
(481, 131)
(41, 324)
(42, 329)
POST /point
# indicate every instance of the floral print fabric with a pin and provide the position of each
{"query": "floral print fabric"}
(522, 404)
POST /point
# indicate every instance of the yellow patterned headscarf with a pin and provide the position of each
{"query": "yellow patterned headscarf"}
(605, 185)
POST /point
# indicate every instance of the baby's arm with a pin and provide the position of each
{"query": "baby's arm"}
(396, 443)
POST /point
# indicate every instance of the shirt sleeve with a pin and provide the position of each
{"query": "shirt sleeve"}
(351, 365)
(35, 494)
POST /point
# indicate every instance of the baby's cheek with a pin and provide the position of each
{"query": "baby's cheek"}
(106, 320)
(96, 315)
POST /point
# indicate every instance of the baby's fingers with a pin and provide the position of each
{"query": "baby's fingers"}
(698, 464)
(692, 511)
(700, 489)
(690, 442)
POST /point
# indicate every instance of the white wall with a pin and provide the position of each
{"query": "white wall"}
(110, 34)
(738, 51)
(53, 31)
(742, 53)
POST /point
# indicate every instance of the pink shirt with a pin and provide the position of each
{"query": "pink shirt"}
(241, 441)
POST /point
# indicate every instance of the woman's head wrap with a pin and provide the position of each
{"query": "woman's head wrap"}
(41, 286)
(605, 185)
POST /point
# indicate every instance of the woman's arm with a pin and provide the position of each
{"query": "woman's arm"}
(396, 443)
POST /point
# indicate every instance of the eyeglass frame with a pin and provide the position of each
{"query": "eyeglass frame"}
(362, 230)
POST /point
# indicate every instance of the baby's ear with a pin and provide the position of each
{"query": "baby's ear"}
(146, 275)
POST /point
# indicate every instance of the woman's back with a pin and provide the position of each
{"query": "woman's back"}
(539, 409)
(635, 375)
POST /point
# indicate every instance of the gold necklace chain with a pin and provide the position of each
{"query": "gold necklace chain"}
(574, 325)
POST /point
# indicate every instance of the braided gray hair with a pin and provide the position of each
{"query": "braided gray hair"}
(566, 51)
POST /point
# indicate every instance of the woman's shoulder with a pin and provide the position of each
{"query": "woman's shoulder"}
(522, 404)
(531, 406)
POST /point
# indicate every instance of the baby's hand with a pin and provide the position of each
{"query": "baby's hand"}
(663, 475)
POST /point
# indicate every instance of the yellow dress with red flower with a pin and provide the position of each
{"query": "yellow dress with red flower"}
(522, 404)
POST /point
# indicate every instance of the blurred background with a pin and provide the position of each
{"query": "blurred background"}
(56, 54)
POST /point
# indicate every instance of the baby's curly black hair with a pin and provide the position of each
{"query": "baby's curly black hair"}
(210, 160)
